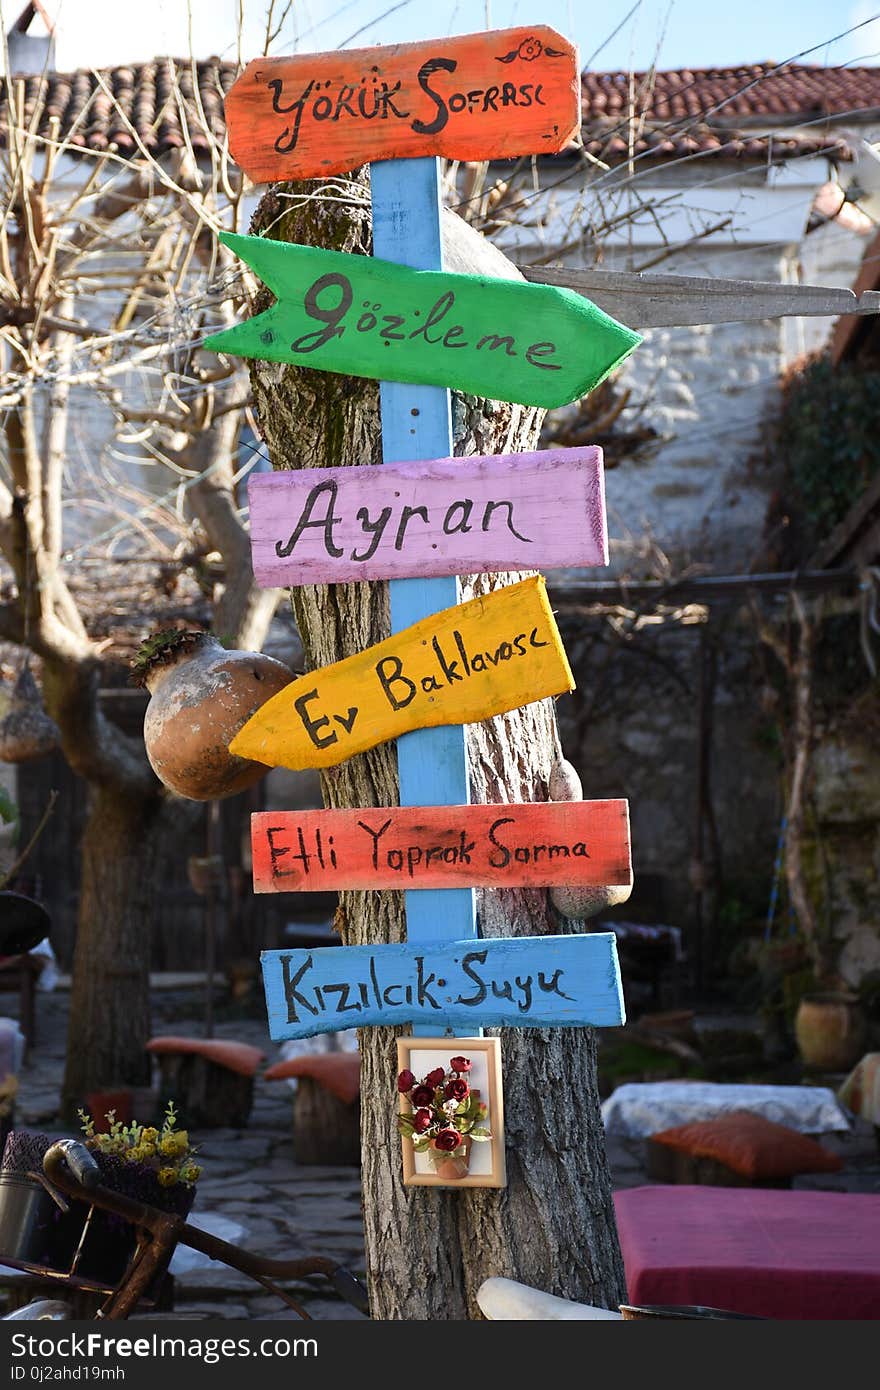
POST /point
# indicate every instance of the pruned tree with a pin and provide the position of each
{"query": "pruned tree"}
(553, 1226)
(110, 274)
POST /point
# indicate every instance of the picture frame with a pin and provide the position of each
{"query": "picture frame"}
(485, 1163)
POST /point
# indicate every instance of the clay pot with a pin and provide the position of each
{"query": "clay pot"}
(201, 696)
(830, 1031)
(451, 1167)
(26, 731)
(206, 873)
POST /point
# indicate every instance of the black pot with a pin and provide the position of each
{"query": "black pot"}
(29, 1222)
(24, 923)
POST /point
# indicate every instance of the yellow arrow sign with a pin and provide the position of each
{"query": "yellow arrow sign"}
(455, 667)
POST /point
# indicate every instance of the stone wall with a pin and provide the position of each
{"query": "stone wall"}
(843, 854)
(632, 729)
(706, 390)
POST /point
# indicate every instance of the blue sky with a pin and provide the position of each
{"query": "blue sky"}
(679, 33)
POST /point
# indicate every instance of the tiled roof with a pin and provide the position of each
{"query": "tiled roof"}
(722, 112)
(727, 112)
(99, 113)
(739, 96)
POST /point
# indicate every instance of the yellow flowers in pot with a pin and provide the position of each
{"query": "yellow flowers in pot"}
(167, 1151)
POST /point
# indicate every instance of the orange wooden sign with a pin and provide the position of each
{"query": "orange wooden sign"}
(522, 845)
(493, 95)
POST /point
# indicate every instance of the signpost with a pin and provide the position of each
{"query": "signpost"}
(466, 663)
(479, 96)
(421, 520)
(531, 845)
(536, 344)
(460, 986)
(441, 517)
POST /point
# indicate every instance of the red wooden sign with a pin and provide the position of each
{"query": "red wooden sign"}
(493, 95)
(508, 846)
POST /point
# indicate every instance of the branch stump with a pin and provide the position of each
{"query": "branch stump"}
(326, 1106)
(210, 1080)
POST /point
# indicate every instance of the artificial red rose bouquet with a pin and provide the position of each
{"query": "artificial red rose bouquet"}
(445, 1113)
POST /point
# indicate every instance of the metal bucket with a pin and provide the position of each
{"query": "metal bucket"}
(30, 1222)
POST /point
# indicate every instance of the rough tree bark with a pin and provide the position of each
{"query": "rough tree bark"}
(429, 1249)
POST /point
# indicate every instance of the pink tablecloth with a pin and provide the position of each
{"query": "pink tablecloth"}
(771, 1253)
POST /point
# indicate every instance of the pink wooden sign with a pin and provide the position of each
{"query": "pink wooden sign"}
(542, 511)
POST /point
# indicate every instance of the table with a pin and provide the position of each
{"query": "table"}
(639, 1109)
(773, 1254)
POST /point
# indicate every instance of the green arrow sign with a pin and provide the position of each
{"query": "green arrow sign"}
(505, 339)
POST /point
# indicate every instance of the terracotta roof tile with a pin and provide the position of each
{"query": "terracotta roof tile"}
(143, 94)
(728, 112)
(716, 112)
(794, 91)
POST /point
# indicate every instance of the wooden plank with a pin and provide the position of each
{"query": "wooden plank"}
(855, 540)
(672, 301)
(432, 764)
(467, 663)
(573, 595)
(367, 317)
(523, 845)
(523, 982)
(492, 95)
(541, 510)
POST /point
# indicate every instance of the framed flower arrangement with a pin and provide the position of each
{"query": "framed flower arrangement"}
(451, 1112)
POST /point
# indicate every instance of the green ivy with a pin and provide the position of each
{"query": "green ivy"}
(8, 809)
(828, 441)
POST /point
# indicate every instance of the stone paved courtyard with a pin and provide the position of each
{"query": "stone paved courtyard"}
(250, 1180)
(257, 1196)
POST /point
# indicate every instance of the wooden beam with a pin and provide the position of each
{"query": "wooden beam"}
(855, 540)
(675, 301)
(709, 588)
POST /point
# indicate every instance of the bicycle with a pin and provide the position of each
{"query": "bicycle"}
(70, 1169)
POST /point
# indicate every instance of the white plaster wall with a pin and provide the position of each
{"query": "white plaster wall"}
(707, 390)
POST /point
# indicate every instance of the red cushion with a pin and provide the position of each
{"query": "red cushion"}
(340, 1072)
(751, 1145)
(235, 1056)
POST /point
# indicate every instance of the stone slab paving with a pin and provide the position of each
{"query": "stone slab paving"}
(283, 1210)
(273, 1206)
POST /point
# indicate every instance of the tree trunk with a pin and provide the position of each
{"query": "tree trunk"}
(126, 841)
(429, 1249)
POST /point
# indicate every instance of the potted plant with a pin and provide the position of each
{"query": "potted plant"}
(440, 1115)
(149, 1164)
(38, 1227)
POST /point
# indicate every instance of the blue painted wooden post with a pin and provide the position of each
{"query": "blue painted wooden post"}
(417, 424)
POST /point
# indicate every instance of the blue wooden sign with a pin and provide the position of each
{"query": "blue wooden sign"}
(521, 982)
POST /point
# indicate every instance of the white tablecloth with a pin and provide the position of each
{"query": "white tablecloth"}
(640, 1109)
